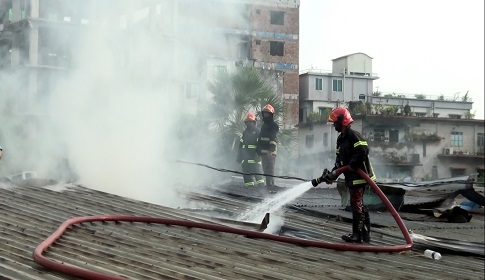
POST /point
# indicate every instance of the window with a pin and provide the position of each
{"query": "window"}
(309, 141)
(481, 142)
(191, 90)
(258, 42)
(379, 135)
(277, 17)
(218, 69)
(337, 85)
(258, 11)
(455, 172)
(319, 84)
(322, 111)
(362, 97)
(394, 135)
(456, 139)
(325, 139)
(276, 48)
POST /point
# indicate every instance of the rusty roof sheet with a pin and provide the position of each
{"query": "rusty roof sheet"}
(153, 251)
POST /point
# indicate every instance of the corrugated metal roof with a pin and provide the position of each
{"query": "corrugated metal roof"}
(153, 251)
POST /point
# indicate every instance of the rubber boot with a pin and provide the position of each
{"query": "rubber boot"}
(357, 227)
(366, 228)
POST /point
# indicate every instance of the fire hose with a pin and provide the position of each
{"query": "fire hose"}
(89, 274)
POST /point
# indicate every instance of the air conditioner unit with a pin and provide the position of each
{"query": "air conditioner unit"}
(448, 151)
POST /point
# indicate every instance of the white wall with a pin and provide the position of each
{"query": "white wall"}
(359, 63)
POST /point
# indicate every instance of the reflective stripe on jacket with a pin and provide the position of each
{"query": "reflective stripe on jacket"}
(247, 146)
(352, 146)
(267, 141)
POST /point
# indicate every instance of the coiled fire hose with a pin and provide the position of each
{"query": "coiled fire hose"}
(89, 274)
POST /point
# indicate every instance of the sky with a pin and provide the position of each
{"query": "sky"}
(430, 47)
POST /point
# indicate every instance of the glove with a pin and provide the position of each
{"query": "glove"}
(354, 164)
(337, 166)
(329, 177)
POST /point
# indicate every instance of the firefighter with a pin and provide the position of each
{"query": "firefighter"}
(267, 143)
(248, 158)
(351, 150)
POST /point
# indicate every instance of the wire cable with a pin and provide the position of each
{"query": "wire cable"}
(417, 184)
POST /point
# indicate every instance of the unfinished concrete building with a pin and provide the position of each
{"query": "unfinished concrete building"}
(37, 39)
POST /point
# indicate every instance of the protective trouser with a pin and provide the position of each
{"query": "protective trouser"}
(366, 229)
(360, 216)
(253, 168)
(268, 167)
(357, 198)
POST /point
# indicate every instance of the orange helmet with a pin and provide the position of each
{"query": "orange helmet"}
(340, 115)
(250, 117)
(268, 108)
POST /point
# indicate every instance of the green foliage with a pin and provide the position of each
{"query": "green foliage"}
(470, 115)
(379, 109)
(441, 97)
(357, 108)
(314, 117)
(407, 109)
(368, 106)
(317, 117)
(391, 109)
(465, 98)
(481, 177)
(420, 96)
(376, 93)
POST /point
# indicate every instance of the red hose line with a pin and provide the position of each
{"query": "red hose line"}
(88, 274)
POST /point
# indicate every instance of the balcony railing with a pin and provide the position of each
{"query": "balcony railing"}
(424, 137)
(393, 158)
(462, 153)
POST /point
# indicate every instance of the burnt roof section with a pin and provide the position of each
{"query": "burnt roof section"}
(28, 215)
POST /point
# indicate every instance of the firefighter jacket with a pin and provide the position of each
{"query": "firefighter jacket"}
(267, 142)
(351, 146)
(247, 146)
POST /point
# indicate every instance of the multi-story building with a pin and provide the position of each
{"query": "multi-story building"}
(269, 40)
(351, 79)
(195, 38)
(416, 137)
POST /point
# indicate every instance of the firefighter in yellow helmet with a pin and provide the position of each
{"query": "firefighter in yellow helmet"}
(267, 143)
(248, 158)
(351, 150)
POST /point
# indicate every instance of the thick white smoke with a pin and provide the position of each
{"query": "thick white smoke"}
(114, 119)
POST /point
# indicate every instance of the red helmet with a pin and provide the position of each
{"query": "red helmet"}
(340, 115)
(268, 108)
(250, 117)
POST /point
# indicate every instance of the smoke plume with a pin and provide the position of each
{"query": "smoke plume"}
(118, 115)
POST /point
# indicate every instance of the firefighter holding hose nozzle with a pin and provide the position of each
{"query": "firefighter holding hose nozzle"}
(351, 150)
